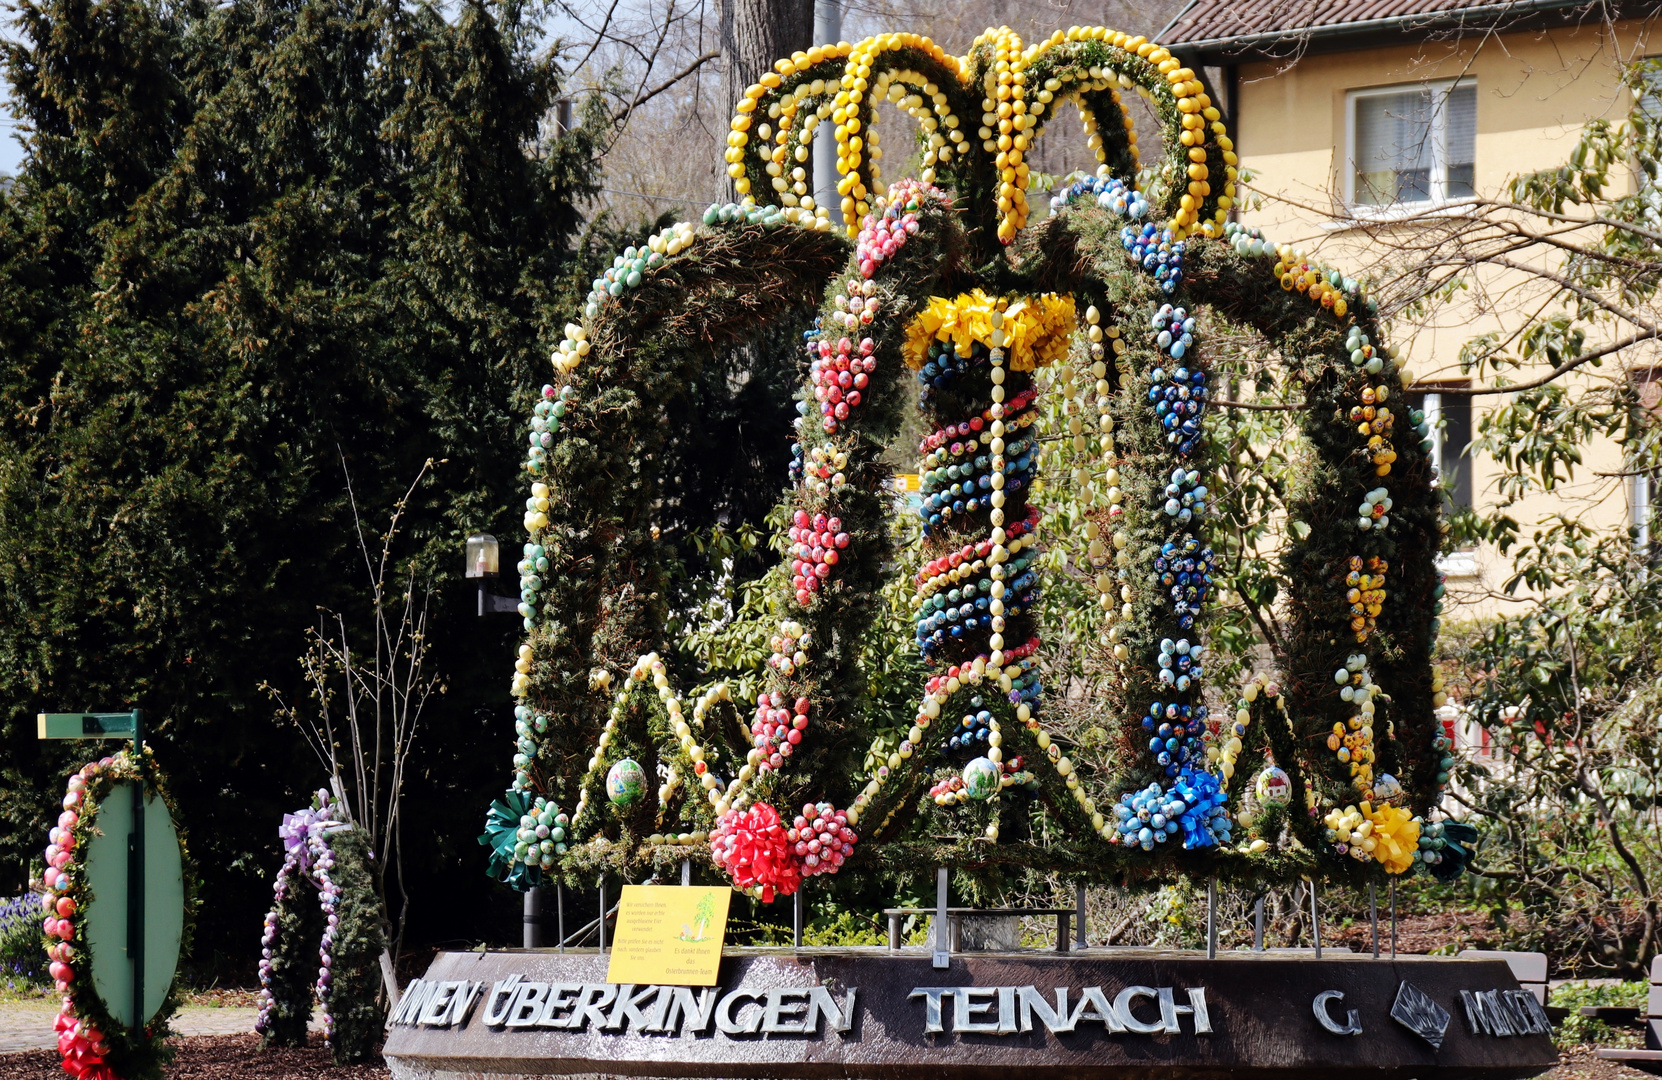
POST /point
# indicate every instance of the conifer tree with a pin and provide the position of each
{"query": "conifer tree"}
(250, 244)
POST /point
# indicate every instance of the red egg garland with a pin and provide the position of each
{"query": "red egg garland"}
(82, 1019)
(777, 731)
(842, 371)
(818, 542)
(759, 851)
(82, 1045)
(821, 838)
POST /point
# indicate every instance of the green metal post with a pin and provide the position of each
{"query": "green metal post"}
(135, 885)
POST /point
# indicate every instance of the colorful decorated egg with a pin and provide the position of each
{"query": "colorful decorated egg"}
(981, 779)
(1273, 787)
(626, 783)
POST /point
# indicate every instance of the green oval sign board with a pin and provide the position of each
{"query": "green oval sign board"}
(108, 919)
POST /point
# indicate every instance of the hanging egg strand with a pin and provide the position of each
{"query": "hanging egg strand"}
(1110, 193)
(1178, 396)
(1365, 592)
(1352, 741)
(1178, 733)
(546, 417)
(1186, 569)
(1157, 251)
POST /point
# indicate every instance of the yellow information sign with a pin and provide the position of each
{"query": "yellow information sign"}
(669, 935)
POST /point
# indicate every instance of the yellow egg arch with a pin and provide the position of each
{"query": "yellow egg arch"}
(981, 114)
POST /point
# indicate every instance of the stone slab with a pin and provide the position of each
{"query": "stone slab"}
(869, 1013)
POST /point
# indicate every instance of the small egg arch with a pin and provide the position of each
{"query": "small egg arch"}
(323, 936)
(945, 299)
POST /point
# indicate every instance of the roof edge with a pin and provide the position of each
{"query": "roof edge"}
(1254, 46)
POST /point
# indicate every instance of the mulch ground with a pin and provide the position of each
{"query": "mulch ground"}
(215, 1057)
(1578, 1063)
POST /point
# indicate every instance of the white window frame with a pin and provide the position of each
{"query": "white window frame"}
(1456, 564)
(1440, 90)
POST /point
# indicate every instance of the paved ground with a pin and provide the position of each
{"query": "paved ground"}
(29, 1026)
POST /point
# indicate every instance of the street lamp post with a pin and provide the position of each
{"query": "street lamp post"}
(483, 563)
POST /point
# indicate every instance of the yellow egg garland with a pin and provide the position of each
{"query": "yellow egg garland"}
(769, 136)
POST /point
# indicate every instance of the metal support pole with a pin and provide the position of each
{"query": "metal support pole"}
(603, 914)
(560, 911)
(1373, 916)
(686, 872)
(533, 917)
(1315, 922)
(943, 942)
(135, 884)
(1079, 917)
(828, 28)
(1212, 919)
(1258, 925)
(1393, 918)
(796, 919)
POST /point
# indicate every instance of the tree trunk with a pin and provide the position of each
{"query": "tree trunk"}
(755, 33)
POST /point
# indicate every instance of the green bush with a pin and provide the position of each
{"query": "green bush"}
(1576, 1028)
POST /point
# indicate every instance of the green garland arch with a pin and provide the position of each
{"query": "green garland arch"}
(1360, 755)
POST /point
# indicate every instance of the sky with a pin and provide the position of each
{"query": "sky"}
(11, 151)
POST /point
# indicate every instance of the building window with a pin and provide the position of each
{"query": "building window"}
(1412, 144)
(1450, 419)
(1642, 493)
(1647, 91)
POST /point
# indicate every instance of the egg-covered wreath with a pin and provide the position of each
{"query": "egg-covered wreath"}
(94, 1044)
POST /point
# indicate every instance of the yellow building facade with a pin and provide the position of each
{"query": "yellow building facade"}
(1349, 119)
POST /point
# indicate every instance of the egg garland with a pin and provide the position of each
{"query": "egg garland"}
(1186, 571)
(1191, 813)
(93, 1044)
(1365, 593)
(1016, 90)
(1294, 272)
(1352, 743)
(527, 835)
(1161, 254)
(629, 270)
(324, 851)
(1111, 193)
